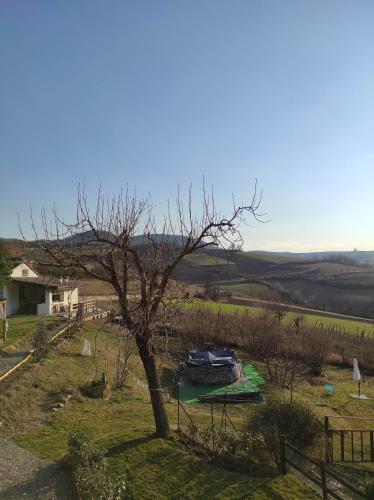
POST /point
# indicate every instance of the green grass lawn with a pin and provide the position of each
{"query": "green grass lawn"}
(23, 327)
(154, 468)
(203, 259)
(246, 288)
(309, 319)
(274, 258)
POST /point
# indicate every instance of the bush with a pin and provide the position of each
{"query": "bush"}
(293, 419)
(240, 451)
(316, 347)
(90, 467)
(40, 341)
(370, 491)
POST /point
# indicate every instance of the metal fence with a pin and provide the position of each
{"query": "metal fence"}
(218, 416)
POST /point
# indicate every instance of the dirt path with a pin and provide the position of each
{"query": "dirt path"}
(23, 475)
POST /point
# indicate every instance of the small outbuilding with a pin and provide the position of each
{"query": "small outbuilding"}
(30, 293)
(212, 366)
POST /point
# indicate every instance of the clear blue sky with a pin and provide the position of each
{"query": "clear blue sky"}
(160, 93)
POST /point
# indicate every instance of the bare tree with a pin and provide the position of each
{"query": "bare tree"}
(123, 355)
(123, 243)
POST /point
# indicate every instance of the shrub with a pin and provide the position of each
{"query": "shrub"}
(240, 451)
(370, 491)
(40, 341)
(293, 419)
(90, 467)
(316, 346)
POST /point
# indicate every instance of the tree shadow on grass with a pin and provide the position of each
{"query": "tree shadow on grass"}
(167, 377)
(73, 355)
(132, 443)
(189, 476)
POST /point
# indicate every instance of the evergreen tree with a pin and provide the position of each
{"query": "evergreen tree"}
(5, 266)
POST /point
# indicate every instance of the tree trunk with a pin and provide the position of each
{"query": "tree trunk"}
(155, 389)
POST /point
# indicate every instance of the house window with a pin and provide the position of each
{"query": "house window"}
(25, 272)
(56, 297)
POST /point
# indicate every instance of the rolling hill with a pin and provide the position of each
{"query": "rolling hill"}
(321, 284)
(338, 281)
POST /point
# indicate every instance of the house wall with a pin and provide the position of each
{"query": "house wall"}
(71, 296)
(11, 293)
(18, 271)
(33, 296)
(66, 301)
(44, 309)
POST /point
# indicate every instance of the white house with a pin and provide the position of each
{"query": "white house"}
(30, 293)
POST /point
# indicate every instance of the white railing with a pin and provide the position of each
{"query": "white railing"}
(88, 305)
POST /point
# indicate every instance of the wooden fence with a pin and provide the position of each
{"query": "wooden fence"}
(317, 472)
(3, 318)
(27, 357)
(87, 305)
(349, 444)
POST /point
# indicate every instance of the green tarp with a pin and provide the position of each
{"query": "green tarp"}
(188, 392)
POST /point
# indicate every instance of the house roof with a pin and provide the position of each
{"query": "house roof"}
(17, 261)
(46, 283)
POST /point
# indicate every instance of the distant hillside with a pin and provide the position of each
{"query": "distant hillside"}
(88, 238)
(322, 283)
(15, 246)
(361, 257)
(324, 280)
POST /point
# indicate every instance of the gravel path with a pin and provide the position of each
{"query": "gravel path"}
(25, 476)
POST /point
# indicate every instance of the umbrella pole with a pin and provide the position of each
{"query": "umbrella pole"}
(359, 388)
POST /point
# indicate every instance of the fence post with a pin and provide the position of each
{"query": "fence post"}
(328, 456)
(325, 494)
(282, 454)
(178, 407)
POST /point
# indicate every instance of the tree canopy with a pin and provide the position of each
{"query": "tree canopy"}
(5, 266)
(123, 243)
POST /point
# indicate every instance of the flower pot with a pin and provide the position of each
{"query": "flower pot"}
(101, 391)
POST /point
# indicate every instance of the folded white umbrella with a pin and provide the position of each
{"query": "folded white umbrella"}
(86, 348)
(356, 371)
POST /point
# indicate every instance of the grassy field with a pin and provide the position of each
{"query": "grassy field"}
(92, 286)
(204, 259)
(22, 328)
(251, 289)
(309, 319)
(154, 468)
(273, 258)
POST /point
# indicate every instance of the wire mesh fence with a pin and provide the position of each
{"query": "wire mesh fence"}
(217, 432)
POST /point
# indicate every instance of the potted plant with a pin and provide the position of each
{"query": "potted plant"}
(98, 389)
